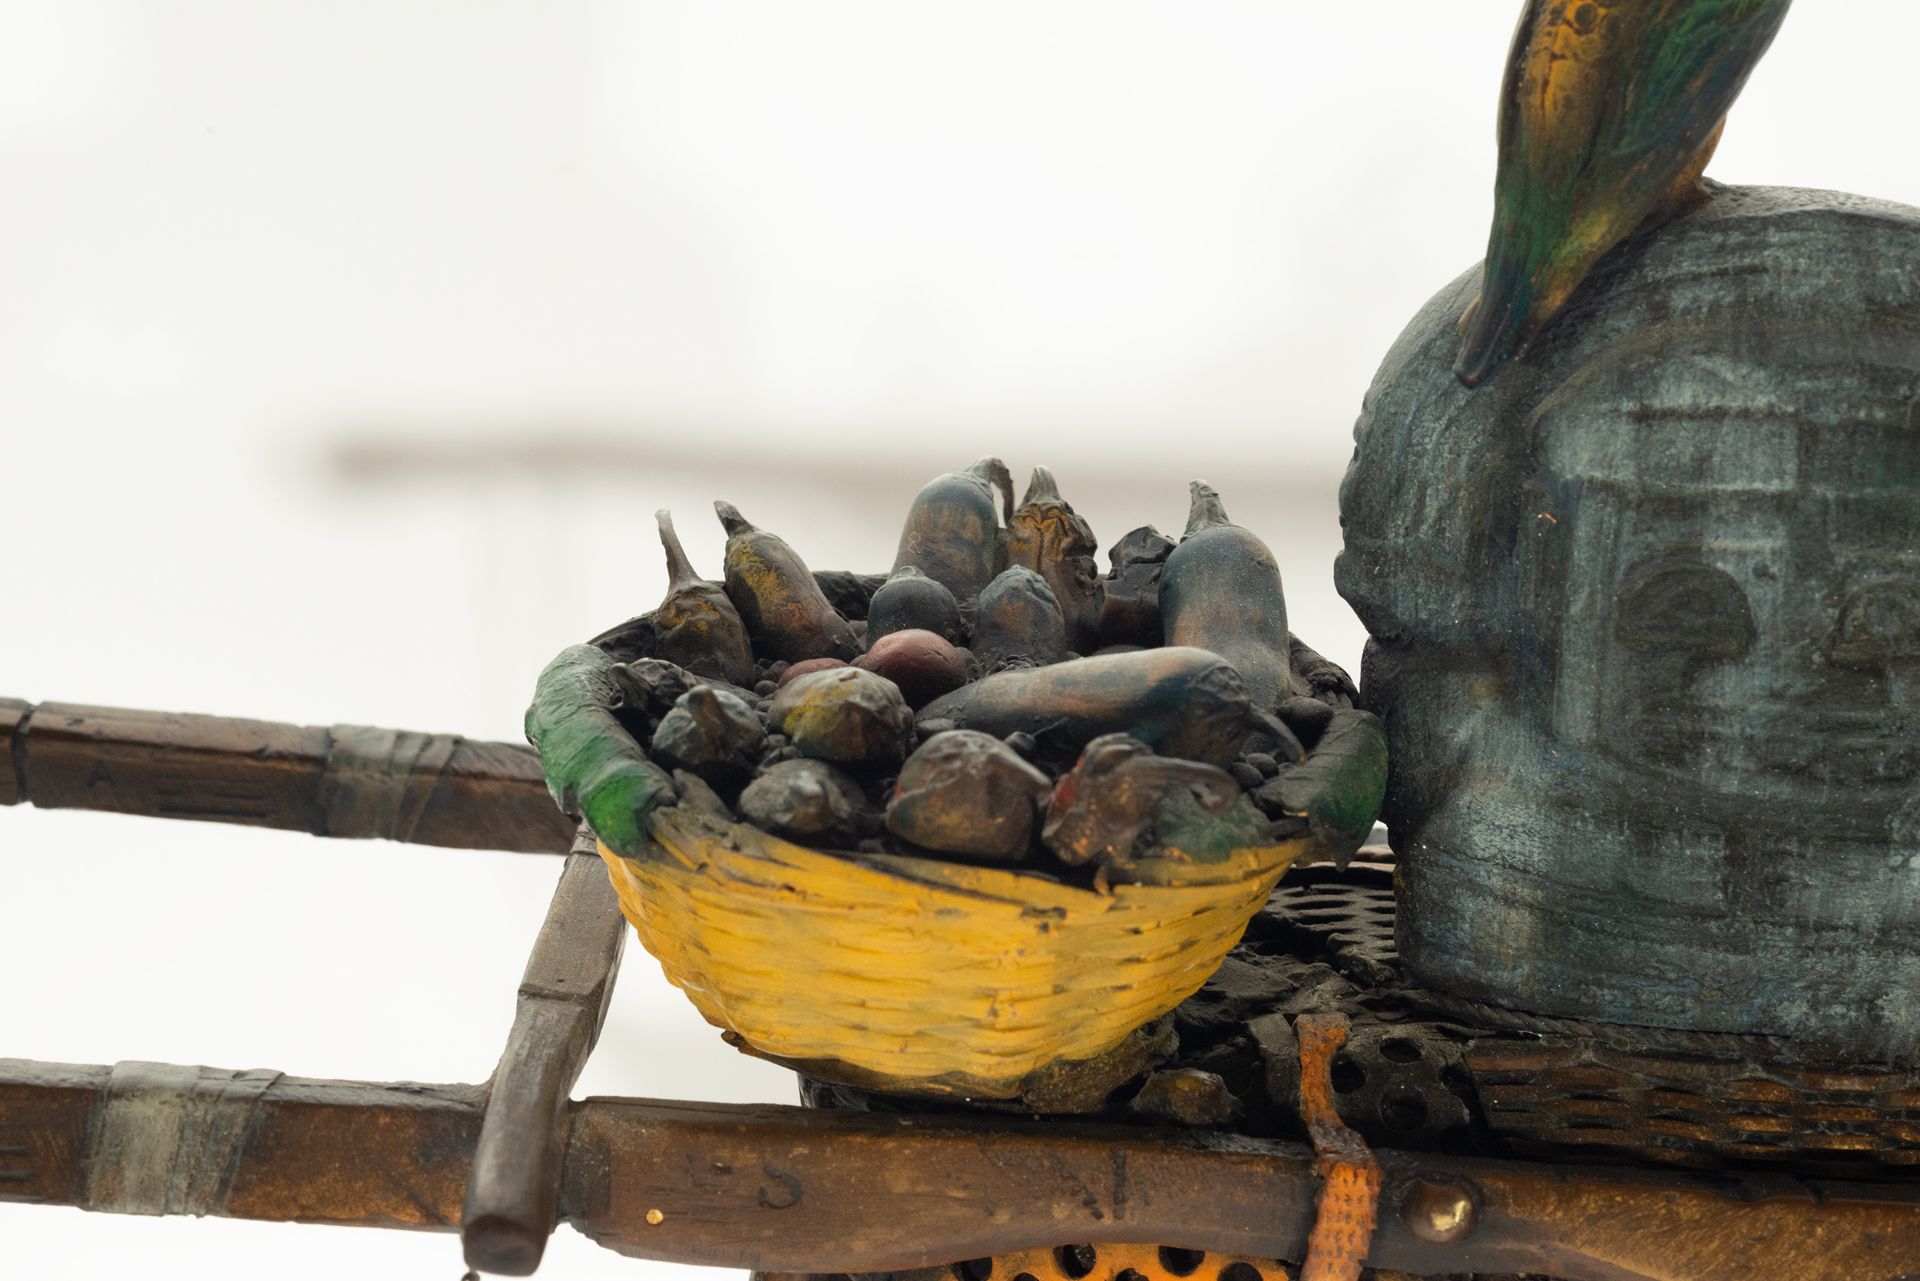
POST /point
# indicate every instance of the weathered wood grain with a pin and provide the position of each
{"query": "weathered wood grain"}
(343, 781)
(797, 1190)
(513, 1192)
(340, 1152)
(13, 716)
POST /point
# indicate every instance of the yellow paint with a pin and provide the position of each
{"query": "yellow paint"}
(916, 975)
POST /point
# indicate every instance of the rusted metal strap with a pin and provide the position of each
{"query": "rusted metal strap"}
(378, 781)
(166, 1137)
(513, 1195)
(1350, 1175)
(343, 781)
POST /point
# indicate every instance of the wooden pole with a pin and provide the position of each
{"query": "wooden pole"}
(339, 781)
(797, 1190)
(514, 1191)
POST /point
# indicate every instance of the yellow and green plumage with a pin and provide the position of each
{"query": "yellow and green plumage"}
(1609, 114)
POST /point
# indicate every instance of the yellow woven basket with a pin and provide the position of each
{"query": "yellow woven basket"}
(914, 975)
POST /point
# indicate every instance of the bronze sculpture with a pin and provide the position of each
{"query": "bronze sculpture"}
(1645, 630)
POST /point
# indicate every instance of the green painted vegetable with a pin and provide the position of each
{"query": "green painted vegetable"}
(1019, 623)
(1220, 591)
(594, 767)
(1047, 536)
(1180, 702)
(696, 625)
(953, 532)
(1339, 788)
(785, 611)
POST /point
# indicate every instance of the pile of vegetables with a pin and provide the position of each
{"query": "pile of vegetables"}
(993, 699)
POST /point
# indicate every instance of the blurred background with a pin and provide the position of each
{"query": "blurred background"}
(346, 351)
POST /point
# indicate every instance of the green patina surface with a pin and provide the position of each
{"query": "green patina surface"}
(1339, 787)
(594, 767)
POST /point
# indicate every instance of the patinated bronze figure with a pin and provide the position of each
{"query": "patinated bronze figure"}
(1643, 614)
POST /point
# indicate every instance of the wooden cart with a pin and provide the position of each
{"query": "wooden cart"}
(777, 1189)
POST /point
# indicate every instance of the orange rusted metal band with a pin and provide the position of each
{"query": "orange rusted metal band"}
(1349, 1175)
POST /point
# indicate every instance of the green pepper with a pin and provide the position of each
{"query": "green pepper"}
(594, 767)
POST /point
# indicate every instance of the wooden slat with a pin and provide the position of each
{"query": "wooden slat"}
(436, 789)
(513, 1195)
(792, 1190)
(339, 1152)
(13, 713)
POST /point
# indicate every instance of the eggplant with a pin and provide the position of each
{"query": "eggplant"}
(953, 533)
(1181, 702)
(910, 601)
(786, 613)
(594, 767)
(1018, 623)
(1220, 591)
(696, 625)
(1046, 535)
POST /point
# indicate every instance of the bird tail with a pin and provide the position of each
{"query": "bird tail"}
(1495, 326)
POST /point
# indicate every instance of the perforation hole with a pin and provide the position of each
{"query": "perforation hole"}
(1075, 1261)
(1181, 1263)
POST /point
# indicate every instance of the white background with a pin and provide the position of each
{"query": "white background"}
(346, 350)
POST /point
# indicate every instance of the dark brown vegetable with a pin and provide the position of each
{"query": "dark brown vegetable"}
(810, 801)
(807, 667)
(712, 734)
(696, 625)
(1220, 591)
(849, 593)
(846, 715)
(1046, 535)
(910, 601)
(953, 534)
(1136, 816)
(785, 611)
(1181, 702)
(1129, 596)
(1018, 623)
(968, 793)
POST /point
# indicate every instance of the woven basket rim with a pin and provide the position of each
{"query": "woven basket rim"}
(1008, 886)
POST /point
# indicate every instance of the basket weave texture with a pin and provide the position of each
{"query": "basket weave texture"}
(915, 975)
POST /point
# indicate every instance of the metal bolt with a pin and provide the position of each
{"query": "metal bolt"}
(655, 1218)
(1438, 1213)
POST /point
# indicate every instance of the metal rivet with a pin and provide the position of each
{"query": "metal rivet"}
(1438, 1213)
(655, 1218)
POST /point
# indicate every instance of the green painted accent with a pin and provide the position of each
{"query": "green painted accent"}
(593, 766)
(1664, 81)
(1184, 824)
(1339, 788)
